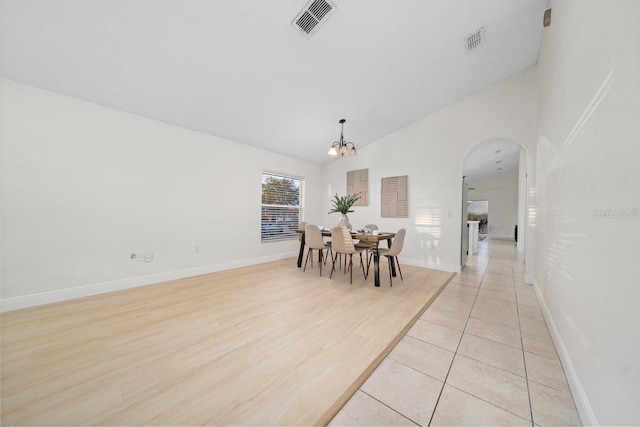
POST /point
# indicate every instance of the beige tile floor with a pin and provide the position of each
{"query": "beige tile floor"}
(480, 355)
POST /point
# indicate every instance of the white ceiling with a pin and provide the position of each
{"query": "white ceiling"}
(491, 158)
(238, 69)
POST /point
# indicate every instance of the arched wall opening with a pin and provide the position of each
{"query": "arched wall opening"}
(495, 170)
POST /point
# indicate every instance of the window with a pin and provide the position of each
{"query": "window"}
(282, 201)
(478, 210)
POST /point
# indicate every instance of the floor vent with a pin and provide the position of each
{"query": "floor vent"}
(474, 40)
(314, 13)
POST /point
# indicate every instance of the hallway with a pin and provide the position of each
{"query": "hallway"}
(480, 355)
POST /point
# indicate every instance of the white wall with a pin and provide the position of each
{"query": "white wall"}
(587, 270)
(501, 190)
(84, 186)
(522, 200)
(431, 152)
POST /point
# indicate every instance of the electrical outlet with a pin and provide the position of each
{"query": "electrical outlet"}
(137, 257)
(148, 257)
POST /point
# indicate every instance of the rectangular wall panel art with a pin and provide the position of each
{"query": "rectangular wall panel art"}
(358, 182)
(393, 202)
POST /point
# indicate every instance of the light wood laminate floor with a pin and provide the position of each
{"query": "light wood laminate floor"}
(260, 345)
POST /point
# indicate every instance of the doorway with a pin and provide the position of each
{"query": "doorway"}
(495, 171)
(478, 210)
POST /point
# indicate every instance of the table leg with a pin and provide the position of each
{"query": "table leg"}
(376, 268)
(392, 261)
(301, 254)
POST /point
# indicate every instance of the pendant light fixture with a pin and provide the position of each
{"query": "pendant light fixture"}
(342, 148)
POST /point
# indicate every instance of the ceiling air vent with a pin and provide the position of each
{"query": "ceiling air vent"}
(474, 40)
(314, 13)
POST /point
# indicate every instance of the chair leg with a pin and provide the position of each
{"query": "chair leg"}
(390, 279)
(400, 271)
(366, 256)
(320, 260)
(362, 265)
(307, 259)
(369, 263)
(329, 251)
(333, 268)
(350, 267)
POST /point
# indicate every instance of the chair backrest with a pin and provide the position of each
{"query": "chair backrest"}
(341, 241)
(313, 237)
(371, 227)
(301, 226)
(397, 243)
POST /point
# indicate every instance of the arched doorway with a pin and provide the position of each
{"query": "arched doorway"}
(495, 176)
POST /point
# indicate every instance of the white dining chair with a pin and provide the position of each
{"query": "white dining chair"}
(367, 246)
(395, 249)
(301, 227)
(314, 241)
(342, 243)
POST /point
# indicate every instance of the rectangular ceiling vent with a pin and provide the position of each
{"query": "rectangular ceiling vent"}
(474, 40)
(312, 15)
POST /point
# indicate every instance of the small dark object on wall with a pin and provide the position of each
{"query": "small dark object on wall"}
(547, 18)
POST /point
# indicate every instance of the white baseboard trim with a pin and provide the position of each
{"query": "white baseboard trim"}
(25, 301)
(452, 268)
(579, 396)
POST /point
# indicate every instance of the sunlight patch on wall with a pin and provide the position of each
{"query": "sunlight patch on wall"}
(585, 118)
(433, 260)
(429, 225)
(532, 209)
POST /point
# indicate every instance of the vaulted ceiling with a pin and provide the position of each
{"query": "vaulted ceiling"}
(238, 69)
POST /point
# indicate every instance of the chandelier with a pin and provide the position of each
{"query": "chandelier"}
(341, 147)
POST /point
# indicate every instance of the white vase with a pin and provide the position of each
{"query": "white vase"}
(344, 221)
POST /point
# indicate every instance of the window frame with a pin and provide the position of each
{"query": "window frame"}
(282, 226)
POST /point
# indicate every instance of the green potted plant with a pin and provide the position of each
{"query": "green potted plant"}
(343, 205)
